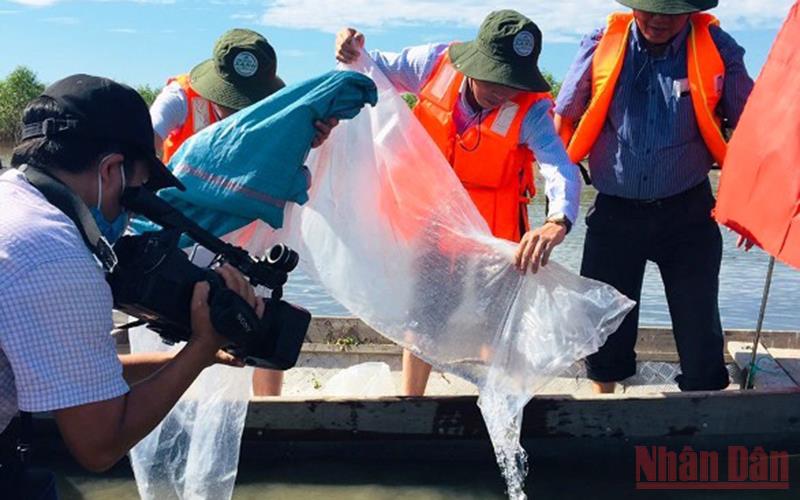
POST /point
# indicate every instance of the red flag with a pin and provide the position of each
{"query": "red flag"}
(759, 194)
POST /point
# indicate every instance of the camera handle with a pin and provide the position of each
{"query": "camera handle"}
(144, 202)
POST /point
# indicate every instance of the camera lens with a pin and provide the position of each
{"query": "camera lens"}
(283, 257)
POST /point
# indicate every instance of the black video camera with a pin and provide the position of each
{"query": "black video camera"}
(154, 281)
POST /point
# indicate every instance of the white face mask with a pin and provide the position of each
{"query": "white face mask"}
(111, 230)
(100, 183)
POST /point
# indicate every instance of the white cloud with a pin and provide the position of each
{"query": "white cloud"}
(248, 17)
(35, 3)
(129, 31)
(63, 20)
(560, 20)
(47, 3)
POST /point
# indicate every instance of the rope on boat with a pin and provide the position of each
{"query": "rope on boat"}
(752, 368)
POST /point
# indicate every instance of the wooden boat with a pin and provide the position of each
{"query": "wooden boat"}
(566, 419)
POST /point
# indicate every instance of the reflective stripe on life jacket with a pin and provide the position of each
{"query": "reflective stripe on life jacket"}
(706, 71)
(200, 115)
(493, 166)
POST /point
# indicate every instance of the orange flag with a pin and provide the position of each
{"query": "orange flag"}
(759, 194)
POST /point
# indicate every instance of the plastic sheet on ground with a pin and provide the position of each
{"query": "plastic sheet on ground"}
(372, 379)
(392, 235)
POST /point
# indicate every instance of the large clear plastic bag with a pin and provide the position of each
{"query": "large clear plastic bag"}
(194, 453)
(392, 235)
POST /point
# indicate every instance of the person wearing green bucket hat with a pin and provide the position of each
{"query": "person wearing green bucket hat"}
(648, 100)
(487, 106)
(241, 71)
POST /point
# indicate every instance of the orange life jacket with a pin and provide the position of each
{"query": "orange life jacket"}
(706, 77)
(493, 166)
(200, 116)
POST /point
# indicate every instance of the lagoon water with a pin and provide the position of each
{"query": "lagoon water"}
(741, 281)
(294, 479)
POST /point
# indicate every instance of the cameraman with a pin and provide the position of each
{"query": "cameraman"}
(94, 137)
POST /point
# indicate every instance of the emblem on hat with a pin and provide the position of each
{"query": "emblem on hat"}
(245, 64)
(524, 43)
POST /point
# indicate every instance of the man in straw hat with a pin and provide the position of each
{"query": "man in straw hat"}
(648, 100)
(241, 72)
(487, 106)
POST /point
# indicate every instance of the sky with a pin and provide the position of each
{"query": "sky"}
(147, 41)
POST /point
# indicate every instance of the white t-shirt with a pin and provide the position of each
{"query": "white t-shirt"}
(169, 110)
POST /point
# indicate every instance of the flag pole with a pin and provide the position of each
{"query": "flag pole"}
(764, 298)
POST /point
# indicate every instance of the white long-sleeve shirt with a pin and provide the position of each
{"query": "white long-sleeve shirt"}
(169, 110)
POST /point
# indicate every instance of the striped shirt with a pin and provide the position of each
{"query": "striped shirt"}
(56, 350)
(650, 146)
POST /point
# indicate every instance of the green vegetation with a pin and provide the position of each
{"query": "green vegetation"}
(148, 93)
(555, 84)
(20, 87)
(347, 342)
(16, 90)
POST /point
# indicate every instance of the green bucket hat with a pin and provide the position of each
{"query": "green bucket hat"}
(670, 6)
(505, 52)
(241, 71)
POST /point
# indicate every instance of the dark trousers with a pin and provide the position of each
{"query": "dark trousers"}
(18, 481)
(679, 235)
(28, 483)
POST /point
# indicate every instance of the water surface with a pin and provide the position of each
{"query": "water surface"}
(405, 480)
(741, 281)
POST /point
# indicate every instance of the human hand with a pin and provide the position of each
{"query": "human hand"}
(535, 247)
(324, 128)
(239, 284)
(348, 45)
(228, 359)
(744, 242)
(203, 334)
